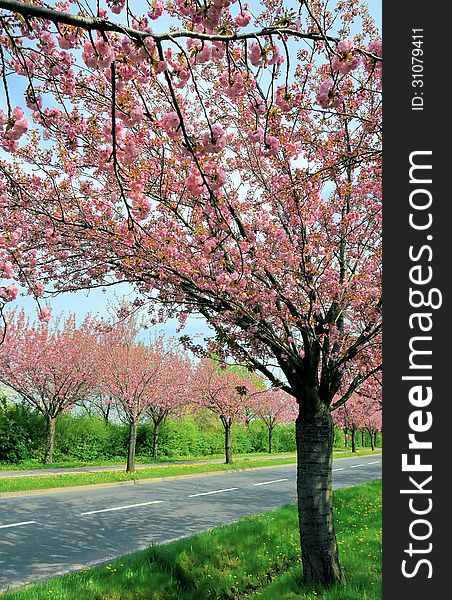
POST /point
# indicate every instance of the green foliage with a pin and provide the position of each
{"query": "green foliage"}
(89, 437)
(22, 431)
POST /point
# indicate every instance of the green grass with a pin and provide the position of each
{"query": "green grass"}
(41, 482)
(120, 461)
(256, 558)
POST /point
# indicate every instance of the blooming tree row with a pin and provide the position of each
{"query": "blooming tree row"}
(225, 160)
(57, 365)
(359, 413)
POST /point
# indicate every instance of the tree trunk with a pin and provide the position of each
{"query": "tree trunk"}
(227, 442)
(50, 439)
(346, 437)
(132, 446)
(270, 439)
(155, 440)
(319, 550)
(353, 439)
(372, 440)
(363, 438)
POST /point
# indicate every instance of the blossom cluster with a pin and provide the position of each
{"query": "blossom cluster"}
(12, 129)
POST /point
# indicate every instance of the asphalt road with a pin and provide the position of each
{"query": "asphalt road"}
(42, 536)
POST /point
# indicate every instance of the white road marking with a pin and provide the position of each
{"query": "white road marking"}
(374, 463)
(354, 466)
(268, 482)
(17, 524)
(341, 469)
(214, 492)
(93, 512)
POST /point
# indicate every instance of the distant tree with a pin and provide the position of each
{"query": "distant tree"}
(273, 407)
(172, 392)
(128, 373)
(226, 393)
(49, 365)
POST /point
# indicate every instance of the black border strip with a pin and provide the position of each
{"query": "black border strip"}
(415, 125)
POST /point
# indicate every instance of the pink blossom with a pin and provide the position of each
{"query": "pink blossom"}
(257, 135)
(183, 76)
(99, 56)
(347, 60)
(170, 123)
(284, 99)
(370, 64)
(45, 314)
(9, 293)
(259, 105)
(244, 17)
(141, 206)
(33, 100)
(214, 140)
(255, 55)
(215, 176)
(156, 11)
(116, 6)
(233, 83)
(16, 126)
(218, 50)
(6, 269)
(327, 97)
(194, 184)
(272, 145)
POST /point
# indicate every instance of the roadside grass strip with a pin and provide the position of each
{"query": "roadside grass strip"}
(255, 558)
(33, 464)
(40, 482)
(51, 481)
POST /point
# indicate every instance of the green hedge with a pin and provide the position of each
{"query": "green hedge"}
(22, 432)
(90, 438)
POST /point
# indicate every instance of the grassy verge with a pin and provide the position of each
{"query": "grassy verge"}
(256, 558)
(41, 482)
(120, 461)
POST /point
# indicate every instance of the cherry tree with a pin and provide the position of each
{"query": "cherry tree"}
(49, 365)
(224, 392)
(373, 425)
(128, 373)
(228, 167)
(353, 416)
(172, 395)
(273, 407)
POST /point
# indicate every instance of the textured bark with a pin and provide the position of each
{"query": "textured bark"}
(320, 556)
(363, 438)
(50, 439)
(372, 440)
(227, 443)
(155, 440)
(270, 440)
(346, 437)
(353, 439)
(132, 446)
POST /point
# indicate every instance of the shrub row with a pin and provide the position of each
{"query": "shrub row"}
(88, 437)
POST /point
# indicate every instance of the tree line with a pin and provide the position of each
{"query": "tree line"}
(102, 367)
